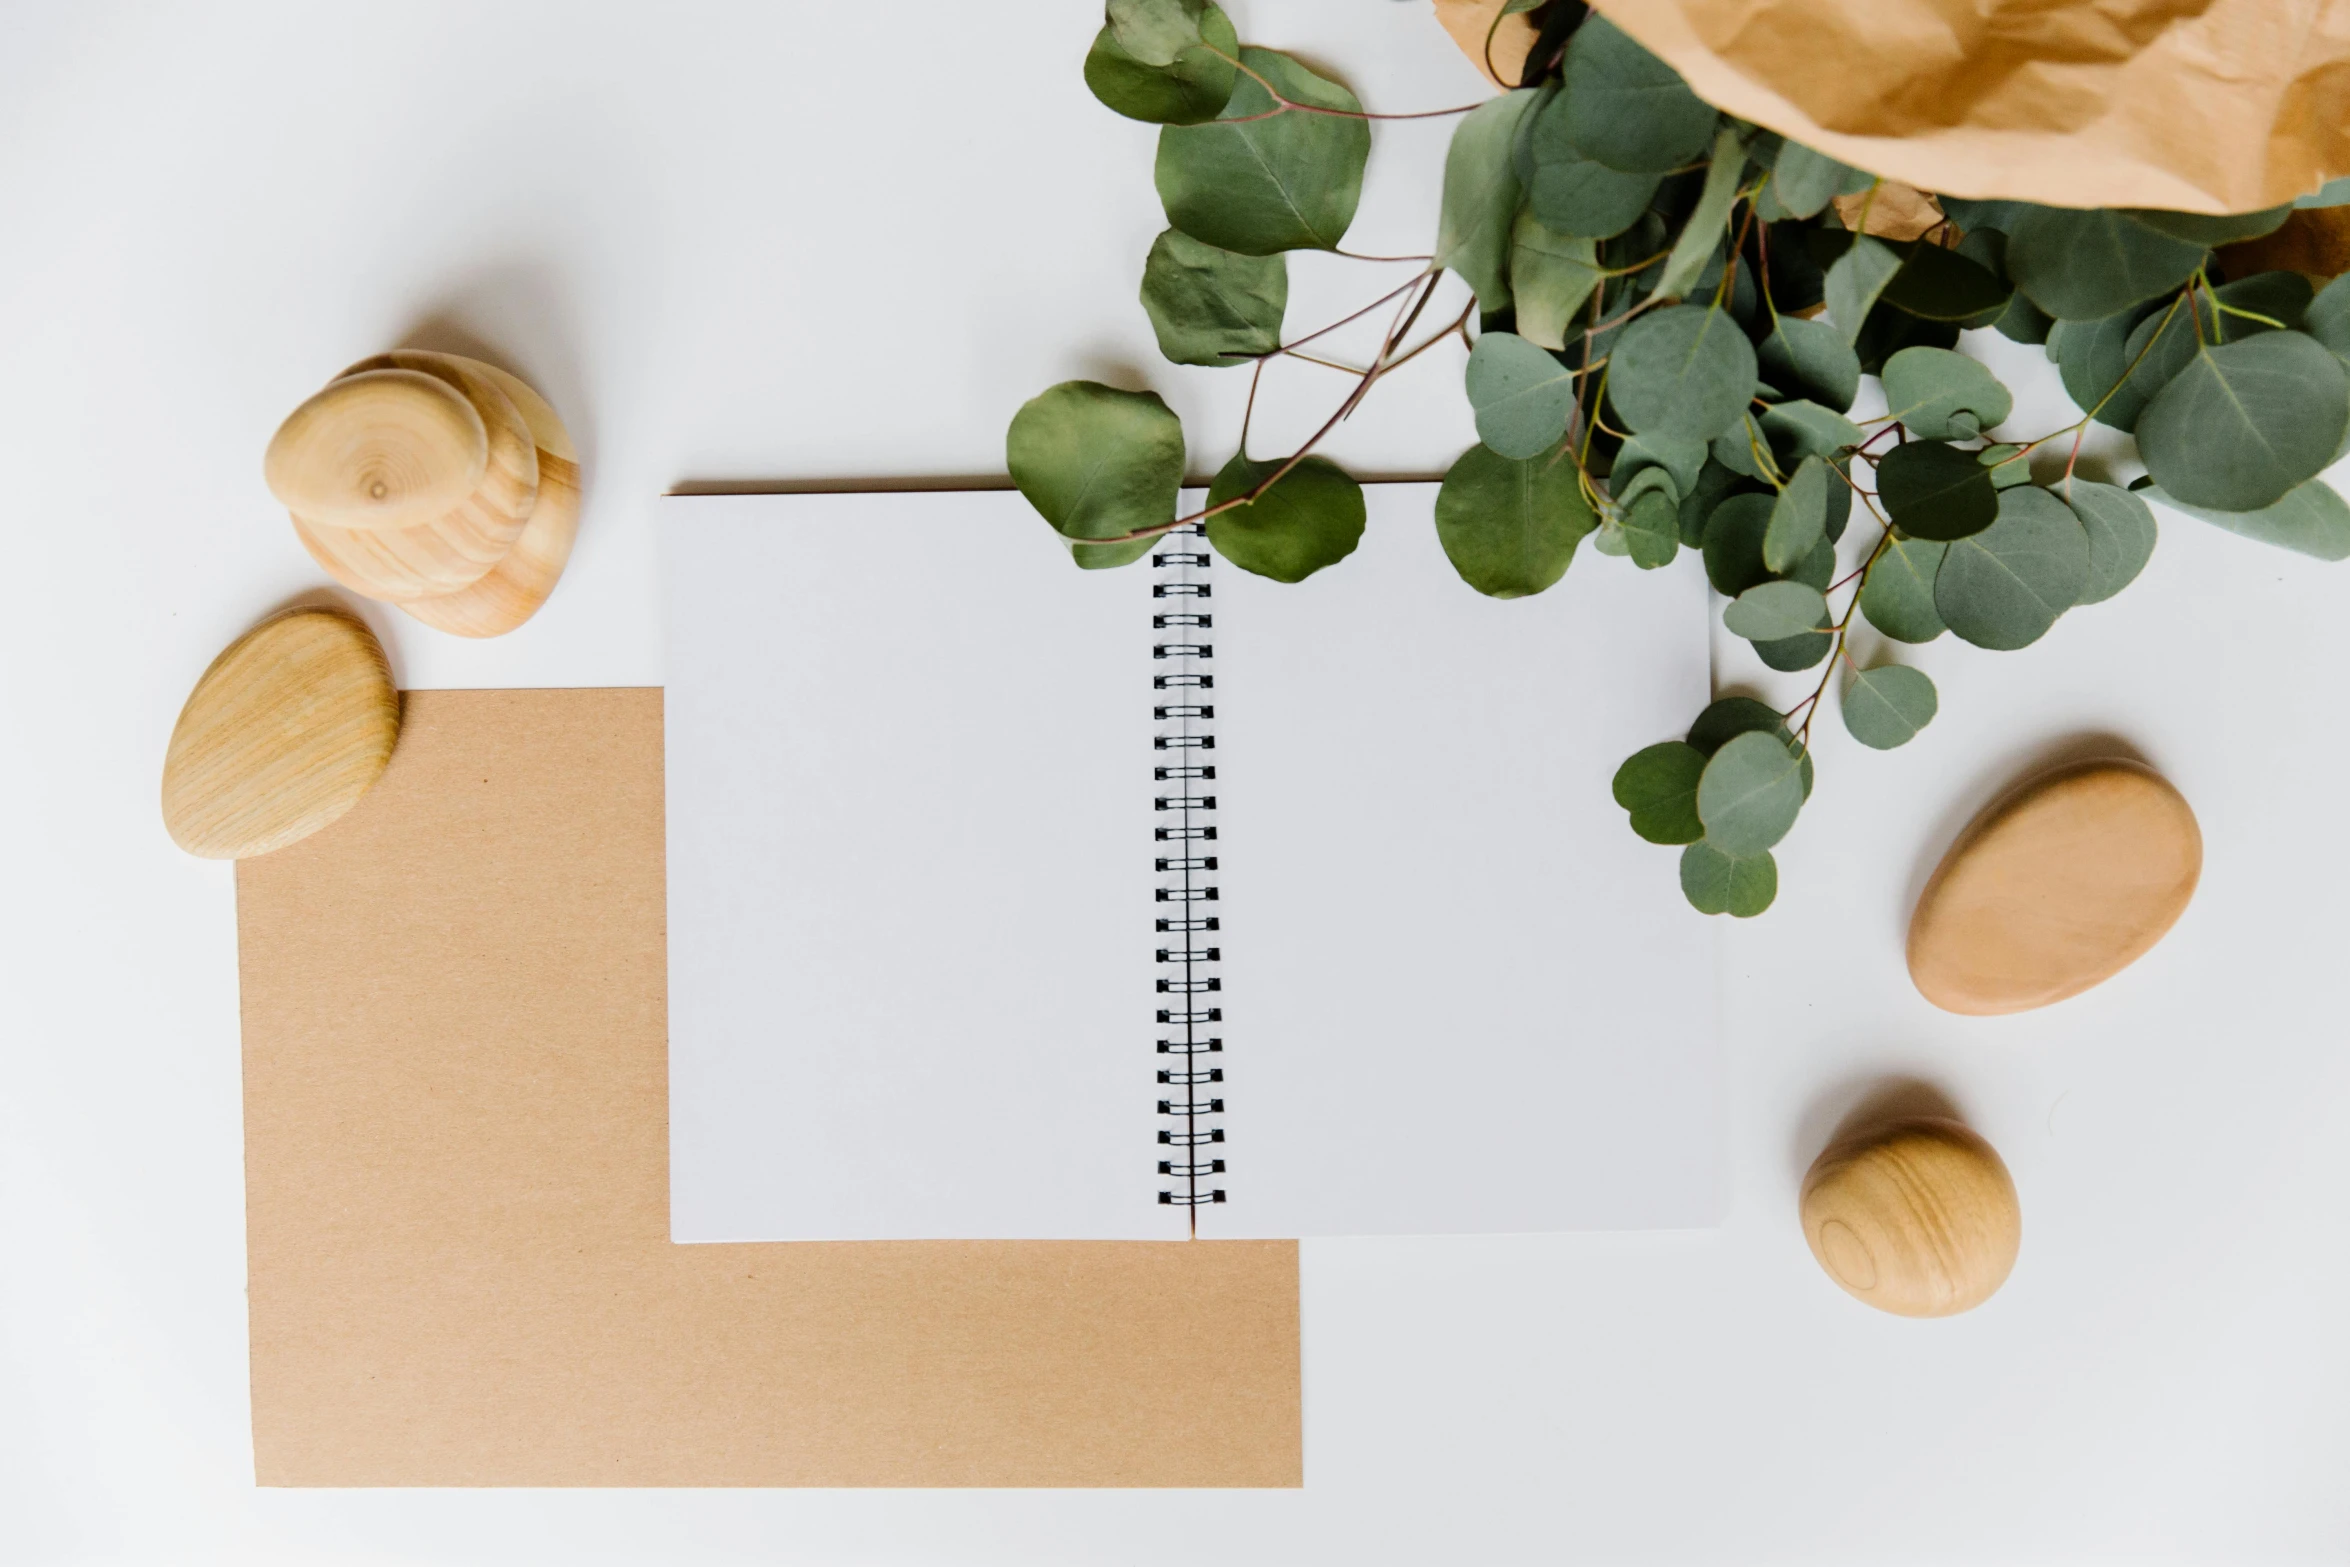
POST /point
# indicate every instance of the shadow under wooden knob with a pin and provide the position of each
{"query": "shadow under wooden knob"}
(1917, 1217)
(387, 449)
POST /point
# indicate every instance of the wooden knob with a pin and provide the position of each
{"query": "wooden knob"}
(2057, 887)
(293, 722)
(387, 449)
(1917, 1217)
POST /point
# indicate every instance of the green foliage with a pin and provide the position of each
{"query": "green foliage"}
(1645, 271)
(1210, 306)
(1510, 526)
(1256, 181)
(1312, 517)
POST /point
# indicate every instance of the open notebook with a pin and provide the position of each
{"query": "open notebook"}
(1008, 900)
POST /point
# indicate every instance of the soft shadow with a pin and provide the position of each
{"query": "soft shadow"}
(519, 316)
(1992, 783)
(1859, 1105)
(1114, 370)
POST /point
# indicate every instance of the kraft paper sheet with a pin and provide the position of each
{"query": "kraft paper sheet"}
(2197, 105)
(457, 1206)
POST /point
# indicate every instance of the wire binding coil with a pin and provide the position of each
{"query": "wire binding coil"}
(1184, 737)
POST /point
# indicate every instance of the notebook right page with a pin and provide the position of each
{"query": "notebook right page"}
(1458, 994)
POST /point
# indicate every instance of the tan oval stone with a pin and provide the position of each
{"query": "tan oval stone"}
(2057, 887)
(293, 722)
(1917, 1217)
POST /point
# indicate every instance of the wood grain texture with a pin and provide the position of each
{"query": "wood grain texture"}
(294, 721)
(391, 448)
(2060, 885)
(1917, 1217)
(457, 1202)
(513, 590)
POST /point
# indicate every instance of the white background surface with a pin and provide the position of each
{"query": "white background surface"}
(844, 241)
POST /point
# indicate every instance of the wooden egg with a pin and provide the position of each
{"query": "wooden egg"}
(388, 449)
(2060, 885)
(1917, 1217)
(293, 722)
(514, 589)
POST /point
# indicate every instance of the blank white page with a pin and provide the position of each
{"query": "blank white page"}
(1459, 994)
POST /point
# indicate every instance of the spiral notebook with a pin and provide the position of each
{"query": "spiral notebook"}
(1008, 900)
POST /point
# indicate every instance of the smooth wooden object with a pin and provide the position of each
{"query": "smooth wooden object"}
(391, 448)
(2060, 885)
(514, 589)
(1918, 1217)
(292, 723)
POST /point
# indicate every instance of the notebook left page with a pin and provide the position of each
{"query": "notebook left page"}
(905, 837)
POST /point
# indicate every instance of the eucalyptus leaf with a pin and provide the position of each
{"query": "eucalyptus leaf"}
(1888, 331)
(1510, 526)
(1809, 359)
(1786, 654)
(1936, 491)
(1734, 547)
(2282, 297)
(2312, 519)
(2333, 193)
(1714, 485)
(1156, 31)
(1652, 519)
(1770, 611)
(1481, 198)
(1717, 883)
(1944, 285)
(1703, 233)
(2004, 587)
(2009, 465)
(1728, 717)
(1552, 277)
(1684, 460)
(2159, 347)
(2247, 421)
(1749, 794)
(2093, 358)
(1658, 786)
(1571, 192)
(2022, 321)
(1926, 387)
(1855, 280)
(1743, 450)
(1685, 372)
(1311, 518)
(1886, 706)
(2328, 317)
(1097, 462)
(2198, 228)
(1799, 428)
(1190, 90)
(1805, 181)
(2121, 536)
(1897, 596)
(1287, 181)
(2087, 265)
(1522, 395)
(1210, 306)
(1627, 108)
(1799, 518)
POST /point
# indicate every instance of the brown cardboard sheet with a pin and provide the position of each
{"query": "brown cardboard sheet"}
(2197, 105)
(457, 1196)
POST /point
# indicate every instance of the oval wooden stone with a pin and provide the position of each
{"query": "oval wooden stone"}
(514, 589)
(2061, 885)
(293, 722)
(1917, 1217)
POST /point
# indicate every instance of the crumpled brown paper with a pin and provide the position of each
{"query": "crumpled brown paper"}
(2196, 105)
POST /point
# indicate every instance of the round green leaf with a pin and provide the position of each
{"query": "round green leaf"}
(1686, 371)
(1521, 393)
(1749, 795)
(1732, 716)
(1659, 787)
(1510, 526)
(1311, 519)
(1802, 428)
(2004, 587)
(1792, 653)
(2159, 347)
(1571, 192)
(1734, 548)
(1809, 359)
(1714, 485)
(1481, 199)
(1898, 594)
(2312, 519)
(1804, 181)
(1097, 462)
(1627, 108)
(2245, 422)
(1772, 611)
(1936, 491)
(1157, 31)
(1799, 518)
(1552, 277)
(2084, 265)
(1716, 883)
(1886, 706)
(1854, 281)
(1189, 90)
(1943, 285)
(2121, 536)
(1652, 520)
(2093, 357)
(1286, 182)
(1210, 306)
(1683, 460)
(2328, 317)
(1942, 396)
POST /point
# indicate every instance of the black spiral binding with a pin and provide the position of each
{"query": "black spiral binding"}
(1190, 1002)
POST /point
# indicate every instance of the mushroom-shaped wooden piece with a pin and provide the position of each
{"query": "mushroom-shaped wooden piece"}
(390, 449)
(1917, 1217)
(2060, 885)
(293, 722)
